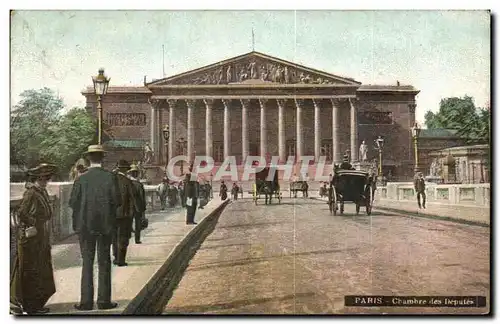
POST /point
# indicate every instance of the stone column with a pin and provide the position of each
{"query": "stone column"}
(171, 124)
(336, 156)
(227, 127)
(281, 129)
(299, 152)
(191, 104)
(354, 130)
(317, 130)
(155, 139)
(245, 104)
(209, 103)
(263, 127)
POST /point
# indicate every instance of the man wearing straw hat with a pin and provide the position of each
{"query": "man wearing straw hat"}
(95, 200)
(124, 215)
(140, 205)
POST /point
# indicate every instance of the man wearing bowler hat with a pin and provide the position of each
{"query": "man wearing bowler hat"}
(124, 214)
(94, 201)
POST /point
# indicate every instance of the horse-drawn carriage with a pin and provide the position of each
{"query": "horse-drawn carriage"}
(351, 186)
(296, 186)
(263, 186)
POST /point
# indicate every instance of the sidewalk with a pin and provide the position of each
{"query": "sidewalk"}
(166, 229)
(467, 214)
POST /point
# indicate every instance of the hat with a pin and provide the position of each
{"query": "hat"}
(95, 149)
(133, 168)
(123, 164)
(43, 169)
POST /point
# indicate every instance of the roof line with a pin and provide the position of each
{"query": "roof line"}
(262, 55)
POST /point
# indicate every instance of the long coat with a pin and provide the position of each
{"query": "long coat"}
(125, 213)
(32, 281)
(95, 199)
(140, 197)
(419, 185)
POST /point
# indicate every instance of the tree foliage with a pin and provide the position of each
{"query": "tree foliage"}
(40, 132)
(461, 114)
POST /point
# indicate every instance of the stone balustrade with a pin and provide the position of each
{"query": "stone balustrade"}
(452, 194)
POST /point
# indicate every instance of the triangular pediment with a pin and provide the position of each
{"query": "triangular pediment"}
(254, 68)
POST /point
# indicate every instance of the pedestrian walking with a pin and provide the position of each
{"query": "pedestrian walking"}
(420, 189)
(162, 191)
(235, 190)
(223, 191)
(191, 192)
(95, 199)
(140, 205)
(124, 215)
(182, 196)
(32, 278)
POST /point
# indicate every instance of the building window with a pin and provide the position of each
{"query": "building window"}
(375, 118)
(290, 147)
(326, 149)
(218, 152)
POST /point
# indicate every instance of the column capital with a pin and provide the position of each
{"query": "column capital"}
(281, 102)
(300, 102)
(411, 107)
(353, 101)
(317, 102)
(155, 103)
(226, 102)
(336, 101)
(191, 103)
(263, 102)
(245, 102)
(209, 102)
(172, 103)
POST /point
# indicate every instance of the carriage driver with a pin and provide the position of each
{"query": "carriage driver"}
(345, 163)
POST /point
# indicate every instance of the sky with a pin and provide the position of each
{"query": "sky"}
(441, 53)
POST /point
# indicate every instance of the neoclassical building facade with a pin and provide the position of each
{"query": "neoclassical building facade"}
(256, 104)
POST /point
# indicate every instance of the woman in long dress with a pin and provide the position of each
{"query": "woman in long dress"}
(32, 280)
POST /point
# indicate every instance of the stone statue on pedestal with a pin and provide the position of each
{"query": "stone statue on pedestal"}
(363, 151)
(433, 168)
(148, 154)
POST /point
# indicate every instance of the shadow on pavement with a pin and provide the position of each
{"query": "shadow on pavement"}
(223, 246)
(251, 225)
(234, 304)
(240, 262)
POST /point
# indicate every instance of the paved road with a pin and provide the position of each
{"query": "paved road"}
(296, 258)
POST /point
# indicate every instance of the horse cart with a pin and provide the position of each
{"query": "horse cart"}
(263, 186)
(296, 186)
(351, 186)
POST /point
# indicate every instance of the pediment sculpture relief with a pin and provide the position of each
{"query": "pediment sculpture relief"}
(253, 69)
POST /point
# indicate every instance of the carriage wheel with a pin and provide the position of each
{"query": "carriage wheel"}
(369, 202)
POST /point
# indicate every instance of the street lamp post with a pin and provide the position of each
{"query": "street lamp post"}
(379, 142)
(181, 142)
(101, 83)
(166, 137)
(415, 132)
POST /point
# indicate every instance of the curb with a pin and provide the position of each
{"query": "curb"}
(153, 297)
(429, 216)
(434, 216)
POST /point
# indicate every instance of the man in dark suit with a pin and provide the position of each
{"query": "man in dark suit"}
(124, 214)
(140, 199)
(191, 190)
(94, 200)
(420, 189)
